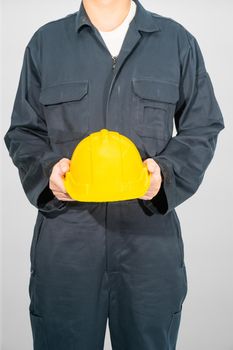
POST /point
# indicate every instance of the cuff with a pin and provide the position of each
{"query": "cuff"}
(46, 201)
(164, 200)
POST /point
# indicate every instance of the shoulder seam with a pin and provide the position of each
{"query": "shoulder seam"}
(188, 35)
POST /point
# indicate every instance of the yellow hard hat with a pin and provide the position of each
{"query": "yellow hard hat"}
(106, 166)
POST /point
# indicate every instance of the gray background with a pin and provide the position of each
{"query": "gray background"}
(206, 218)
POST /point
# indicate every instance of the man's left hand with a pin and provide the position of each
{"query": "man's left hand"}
(156, 179)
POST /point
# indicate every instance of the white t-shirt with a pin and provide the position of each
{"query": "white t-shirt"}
(114, 38)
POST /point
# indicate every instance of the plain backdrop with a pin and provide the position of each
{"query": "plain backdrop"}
(206, 218)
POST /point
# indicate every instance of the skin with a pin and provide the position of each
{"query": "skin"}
(106, 15)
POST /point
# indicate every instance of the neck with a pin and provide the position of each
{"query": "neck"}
(106, 15)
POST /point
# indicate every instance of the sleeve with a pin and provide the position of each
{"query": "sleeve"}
(198, 121)
(26, 138)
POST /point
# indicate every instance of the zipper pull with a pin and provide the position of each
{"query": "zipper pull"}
(114, 58)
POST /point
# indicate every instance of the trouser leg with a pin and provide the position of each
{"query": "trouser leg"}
(147, 278)
(68, 285)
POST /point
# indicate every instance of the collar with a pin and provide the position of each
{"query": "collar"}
(144, 20)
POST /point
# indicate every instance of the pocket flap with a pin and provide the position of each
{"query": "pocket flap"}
(156, 90)
(63, 92)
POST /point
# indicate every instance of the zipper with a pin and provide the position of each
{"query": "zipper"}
(114, 59)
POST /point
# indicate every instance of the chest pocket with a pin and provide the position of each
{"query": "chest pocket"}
(153, 106)
(66, 110)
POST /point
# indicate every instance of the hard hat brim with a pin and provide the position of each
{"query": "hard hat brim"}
(123, 191)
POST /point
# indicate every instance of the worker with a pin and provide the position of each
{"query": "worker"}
(111, 65)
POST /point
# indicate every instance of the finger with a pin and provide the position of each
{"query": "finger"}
(62, 196)
(150, 195)
(145, 197)
(57, 182)
(153, 188)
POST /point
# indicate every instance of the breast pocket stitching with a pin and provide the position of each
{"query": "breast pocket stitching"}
(66, 111)
(153, 106)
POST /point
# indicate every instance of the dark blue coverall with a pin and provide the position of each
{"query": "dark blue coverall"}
(122, 260)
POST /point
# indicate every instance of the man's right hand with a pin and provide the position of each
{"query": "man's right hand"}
(56, 180)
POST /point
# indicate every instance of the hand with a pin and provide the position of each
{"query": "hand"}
(56, 180)
(156, 179)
